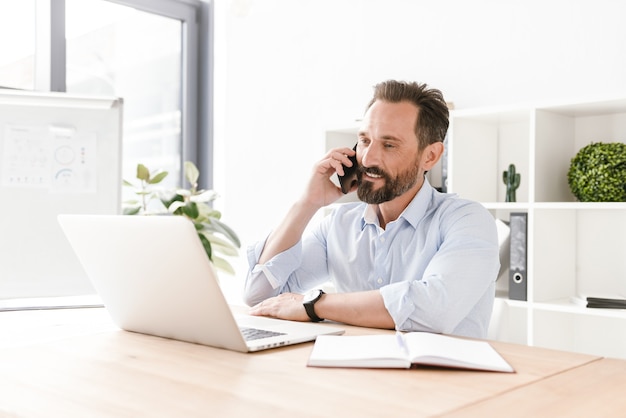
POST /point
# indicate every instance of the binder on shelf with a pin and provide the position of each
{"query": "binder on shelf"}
(518, 282)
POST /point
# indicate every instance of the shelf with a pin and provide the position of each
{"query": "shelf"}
(516, 206)
(598, 107)
(513, 303)
(555, 205)
(581, 205)
(573, 248)
(578, 306)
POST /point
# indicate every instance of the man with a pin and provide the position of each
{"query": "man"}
(406, 257)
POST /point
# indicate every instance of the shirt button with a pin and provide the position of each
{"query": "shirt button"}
(379, 280)
(382, 239)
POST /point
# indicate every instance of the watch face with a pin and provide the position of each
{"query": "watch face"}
(311, 295)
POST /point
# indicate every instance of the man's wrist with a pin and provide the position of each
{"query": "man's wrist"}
(309, 300)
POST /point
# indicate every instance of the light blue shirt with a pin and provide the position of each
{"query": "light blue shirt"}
(435, 266)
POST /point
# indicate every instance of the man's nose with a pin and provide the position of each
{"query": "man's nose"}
(370, 156)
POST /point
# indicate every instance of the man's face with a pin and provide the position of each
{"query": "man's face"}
(388, 151)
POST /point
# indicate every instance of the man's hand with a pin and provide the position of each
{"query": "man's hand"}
(284, 306)
(321, 191)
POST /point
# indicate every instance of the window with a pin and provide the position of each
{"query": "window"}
(115, 50)
(17, 63)
(149, 52)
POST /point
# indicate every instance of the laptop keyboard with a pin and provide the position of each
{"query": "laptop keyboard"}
(250, 334)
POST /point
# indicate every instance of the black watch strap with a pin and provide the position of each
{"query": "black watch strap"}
(309, 306)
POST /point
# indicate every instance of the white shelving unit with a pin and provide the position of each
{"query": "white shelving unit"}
(575, 249)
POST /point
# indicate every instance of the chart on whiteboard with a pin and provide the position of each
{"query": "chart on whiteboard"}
(55, 158)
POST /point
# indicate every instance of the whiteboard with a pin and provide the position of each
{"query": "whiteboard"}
(58, 154)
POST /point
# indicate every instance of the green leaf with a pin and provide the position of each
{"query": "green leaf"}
(131, 210)
(192, 173)
(168, 199)
(142, 172)
(128, 183)
(207, 246)
(204, 196)
(214, 214)
(175, 205)
(183, 192)
(158, 177)
(223, 265)
(220, 245)
(229, 251)
(204, 214)
(191, 209)
(218, 226)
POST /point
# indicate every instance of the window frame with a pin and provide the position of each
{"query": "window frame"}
(197, 68)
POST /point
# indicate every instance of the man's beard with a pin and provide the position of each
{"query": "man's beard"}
(392, 188)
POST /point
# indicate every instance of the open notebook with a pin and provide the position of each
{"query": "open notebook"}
(406, 350)
(154, 277)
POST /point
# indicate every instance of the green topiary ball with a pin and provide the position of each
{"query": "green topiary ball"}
(598, 173)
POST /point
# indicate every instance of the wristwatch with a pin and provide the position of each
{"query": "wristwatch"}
(309, 300)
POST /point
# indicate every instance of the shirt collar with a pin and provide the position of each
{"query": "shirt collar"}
(412, 213)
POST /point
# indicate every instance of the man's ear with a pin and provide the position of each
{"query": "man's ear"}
(431, 155)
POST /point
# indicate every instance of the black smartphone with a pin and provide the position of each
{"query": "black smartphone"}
(349, 178)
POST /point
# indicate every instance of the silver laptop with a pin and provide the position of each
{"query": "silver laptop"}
(154, 277)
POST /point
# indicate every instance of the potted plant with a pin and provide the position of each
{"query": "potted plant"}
(598, 173)
(216, 237)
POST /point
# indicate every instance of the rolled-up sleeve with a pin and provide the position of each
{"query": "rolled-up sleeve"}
(269, 279)
(458, 282)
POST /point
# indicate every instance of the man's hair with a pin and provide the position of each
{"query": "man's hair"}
(432, 119)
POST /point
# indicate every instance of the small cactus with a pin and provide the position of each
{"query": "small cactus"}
(512, 180)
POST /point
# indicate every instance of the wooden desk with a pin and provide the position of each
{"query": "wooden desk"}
(76, 363)
(594, 389)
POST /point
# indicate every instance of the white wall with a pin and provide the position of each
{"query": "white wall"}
(288, 69)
